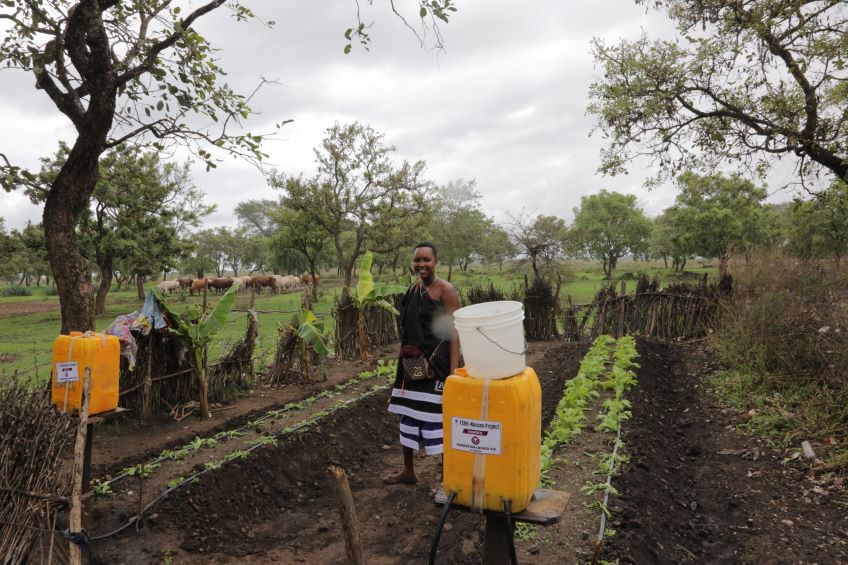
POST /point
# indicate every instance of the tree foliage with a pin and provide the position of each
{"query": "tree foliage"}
(538, 239)
(607, 226)
(748, 81)
(719, 216)
(359, 195)
(818, 228)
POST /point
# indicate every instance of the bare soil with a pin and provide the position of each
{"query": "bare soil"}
(693, 492)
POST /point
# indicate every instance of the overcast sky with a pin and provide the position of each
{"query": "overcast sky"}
(504, 104)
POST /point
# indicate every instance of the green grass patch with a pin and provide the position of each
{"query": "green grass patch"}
(800, 410)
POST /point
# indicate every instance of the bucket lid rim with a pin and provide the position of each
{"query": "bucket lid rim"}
(471, 311)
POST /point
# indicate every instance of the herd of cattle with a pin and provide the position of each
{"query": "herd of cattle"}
(274, 283)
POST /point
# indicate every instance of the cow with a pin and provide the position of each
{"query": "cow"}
(220, 284)
(185, 283)
(243, 281)
(169, 286)
(288, 283)
(308, 280)
(257, 282)
(197, 285)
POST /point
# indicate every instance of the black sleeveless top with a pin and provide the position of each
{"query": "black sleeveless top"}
(422, 399)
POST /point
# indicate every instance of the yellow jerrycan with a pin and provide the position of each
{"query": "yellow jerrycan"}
(72, 354)
(492, 439)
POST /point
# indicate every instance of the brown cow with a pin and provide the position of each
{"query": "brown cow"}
(259, 281)
(197, 285)
(307, 278)
(220, 284)
(185, 283)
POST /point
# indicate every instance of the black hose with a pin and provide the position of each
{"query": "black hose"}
(435, 545)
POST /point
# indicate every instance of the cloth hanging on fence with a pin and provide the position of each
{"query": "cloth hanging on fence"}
(152, 313)
(122, 328)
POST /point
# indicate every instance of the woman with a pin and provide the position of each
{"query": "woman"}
(428, 333)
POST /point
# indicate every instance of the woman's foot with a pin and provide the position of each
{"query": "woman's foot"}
(404, 477)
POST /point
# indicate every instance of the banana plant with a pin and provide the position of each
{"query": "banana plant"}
(196, 330)
(368, 293)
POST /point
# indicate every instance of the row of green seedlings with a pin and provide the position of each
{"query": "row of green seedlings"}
(104, 487)
(620, 380)
(258, 443)
(570, 415)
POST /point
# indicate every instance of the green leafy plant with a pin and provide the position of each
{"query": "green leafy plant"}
(195, 329)
(142, 469)
(368, 293)
(101, 487)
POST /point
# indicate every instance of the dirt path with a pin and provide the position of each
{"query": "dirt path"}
(694, 491)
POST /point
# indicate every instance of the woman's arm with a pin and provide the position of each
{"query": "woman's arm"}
(450, 300)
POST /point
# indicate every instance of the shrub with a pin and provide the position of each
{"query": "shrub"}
(51, 290)
(16, 290)
(788, 318)
(784, 334)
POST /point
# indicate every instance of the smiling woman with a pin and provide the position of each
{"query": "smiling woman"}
(428, 357)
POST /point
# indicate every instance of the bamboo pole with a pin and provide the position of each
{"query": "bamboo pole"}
(79, 454)
(347, 511)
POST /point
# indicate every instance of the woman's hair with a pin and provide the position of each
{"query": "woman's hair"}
(427, 244)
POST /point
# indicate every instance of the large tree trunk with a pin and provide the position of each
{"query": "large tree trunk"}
(66, 200)
(69, 195)
(103, 289)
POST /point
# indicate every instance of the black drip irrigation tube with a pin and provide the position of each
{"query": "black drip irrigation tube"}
(191, 479)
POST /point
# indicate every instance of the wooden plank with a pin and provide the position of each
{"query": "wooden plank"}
(546, 507)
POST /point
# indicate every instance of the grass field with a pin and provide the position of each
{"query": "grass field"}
(26, 340)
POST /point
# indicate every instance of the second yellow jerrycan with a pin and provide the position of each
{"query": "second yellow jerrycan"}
(72, 354)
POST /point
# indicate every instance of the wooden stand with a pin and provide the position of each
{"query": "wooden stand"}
(89, 442)
(545, 508)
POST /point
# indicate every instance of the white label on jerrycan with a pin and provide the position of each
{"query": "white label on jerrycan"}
(67, 372)
(476, 436)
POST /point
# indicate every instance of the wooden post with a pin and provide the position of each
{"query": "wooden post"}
(622, 309)
(347, 511)
(146, 389)
(75, 525)
(496, 541)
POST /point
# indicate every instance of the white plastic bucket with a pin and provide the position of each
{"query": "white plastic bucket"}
(492, 338)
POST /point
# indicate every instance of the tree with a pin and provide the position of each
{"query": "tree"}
(607, 226)
(748, 80)
(666, 242)
(496, 245)
(458, 224)
(25, 254)
(295, 231)
(358, 195)
(538, 239)
(142, 210)
(819, 227)
(119, 71)
(719, 216)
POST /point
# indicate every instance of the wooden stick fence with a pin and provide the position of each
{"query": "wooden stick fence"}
(677, 312)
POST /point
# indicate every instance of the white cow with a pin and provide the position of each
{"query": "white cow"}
(169, 286)
(287, 284)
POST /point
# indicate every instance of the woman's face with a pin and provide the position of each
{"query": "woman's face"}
(424, 263)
